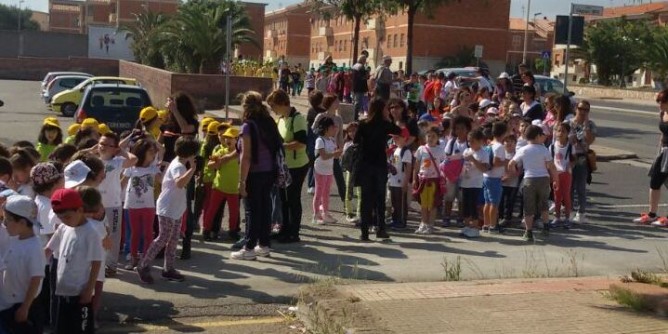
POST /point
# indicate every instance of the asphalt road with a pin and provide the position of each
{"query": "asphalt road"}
(220, 290)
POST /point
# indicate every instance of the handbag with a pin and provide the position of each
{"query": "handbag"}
(441, 179)
(591, 161)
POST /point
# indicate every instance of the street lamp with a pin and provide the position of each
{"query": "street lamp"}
(19, 8)
(526, 33)
(534, 17)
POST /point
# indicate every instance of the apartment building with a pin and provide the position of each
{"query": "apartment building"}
(288, 33)
(444, 33)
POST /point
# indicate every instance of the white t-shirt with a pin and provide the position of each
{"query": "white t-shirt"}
(47, 218)
(172, 199)
(110, 188)
(141, 182)
(498, 152)
(400, 163)
(449, 86)
(561, 159)
(427, 168)
(101, 229)
(23, 260)
(533, 158)
(78, 247)
(26, 190)
(472, 176)
(454, 149)
(322, 166)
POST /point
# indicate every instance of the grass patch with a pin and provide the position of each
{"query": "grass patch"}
(628, 298)
(452, 269)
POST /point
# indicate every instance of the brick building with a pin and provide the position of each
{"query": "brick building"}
(288, 33)
(255, 13)
(75, 16)
(451, 27)
(42, 19)
(540, 38)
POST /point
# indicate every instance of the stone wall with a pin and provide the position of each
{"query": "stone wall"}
(612, 93)
(42, 44)
(208, 90)
(25, 68)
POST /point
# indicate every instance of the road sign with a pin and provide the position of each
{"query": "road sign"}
(587, 10)
(478, 51)
(545, 54)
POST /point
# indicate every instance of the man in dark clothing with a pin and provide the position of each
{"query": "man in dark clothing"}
(517, 80)
(360, 86)
(383, 79)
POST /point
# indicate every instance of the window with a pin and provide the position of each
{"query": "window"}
(401, 64)
(389, 41)
(345, 45)
(401, 42)
(394, 42)
(517, 41)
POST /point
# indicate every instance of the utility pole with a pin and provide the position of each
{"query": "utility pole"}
(568, 48)
(526, 34)
(19, 10)
(228, 64)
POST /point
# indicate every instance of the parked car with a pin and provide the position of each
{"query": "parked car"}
(49, 76)
(61, 83)
(118, 105)
(550, 85)
(465, 72)
(67, 102)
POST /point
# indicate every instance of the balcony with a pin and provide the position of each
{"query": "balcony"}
(272, 33)
(326, 31)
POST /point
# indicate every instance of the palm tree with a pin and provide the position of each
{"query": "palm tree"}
(195, 40)
(657, 55)
(144, 33)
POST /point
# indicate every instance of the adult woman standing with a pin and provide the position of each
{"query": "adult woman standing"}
(182, 121)
(260, 141)
(583, 134)
(371, 174)
(659, 171)
(293, 129)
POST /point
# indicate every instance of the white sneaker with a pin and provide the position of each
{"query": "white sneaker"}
(464, 231)
(328, 219)
(244, 254)
(262, 251)
(352, 220)
(316, 221)
(311, 190)
(579, 218)
(421, 229)
(472, 233)
(428, 229)
(372, 229)
(553, 207)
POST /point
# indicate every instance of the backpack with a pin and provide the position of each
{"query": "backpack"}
(401, 156)
(569, 148)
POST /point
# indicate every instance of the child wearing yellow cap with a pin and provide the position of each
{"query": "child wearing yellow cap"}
(205, 125)
(72, 133)
(50, 136)
(103, 129)
(90, 123)
(225, 188)
(149, 120)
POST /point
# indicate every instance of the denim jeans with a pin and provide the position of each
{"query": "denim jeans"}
(358, 103)
(373, 181)
(256, 204)
(579, 188)
(292, 202)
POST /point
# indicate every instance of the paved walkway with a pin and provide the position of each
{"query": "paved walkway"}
(575, 305)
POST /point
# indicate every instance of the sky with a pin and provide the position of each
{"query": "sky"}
(549, 8)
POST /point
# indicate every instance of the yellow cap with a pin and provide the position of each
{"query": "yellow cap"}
(163, 114)
(148, 114)
(212, 128)
(51, 121)
(103, 129)
(206, 121)
(90, 123)
(73, 129)
(232, 132)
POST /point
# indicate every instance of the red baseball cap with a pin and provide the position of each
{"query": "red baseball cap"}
(66, 199)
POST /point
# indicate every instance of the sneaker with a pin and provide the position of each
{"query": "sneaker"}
(472, 232)
(132, 264)
(464, 231)
(244, 254)
(381, 234)
(206, 236)
(328, 219)
(173, 275)
(528, 236)
(460, 223)
(109, 272)
(262, 251)
(497, 229)
(556, 222)
(445, 222)
(580, 218)
(311, 190)
(566, 224)
(428, 229)
(553, 207)
(504, 222)
(239, 244)
(352, 219)
(421, 229)
(316, 221)
(372, 229)
(276, 228)
(397, 226)
(145, 275)
(645, 219)
(661, 222)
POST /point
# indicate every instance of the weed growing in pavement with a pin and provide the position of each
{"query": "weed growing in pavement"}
(645, 277)
(628, 298)
(452, 269)
(663, 255)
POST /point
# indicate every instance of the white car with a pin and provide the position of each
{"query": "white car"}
(51, 75)
(61, 83)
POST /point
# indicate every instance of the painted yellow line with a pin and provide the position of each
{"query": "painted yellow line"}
(205, 325)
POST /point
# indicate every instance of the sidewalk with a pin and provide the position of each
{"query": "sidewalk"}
(572, 305)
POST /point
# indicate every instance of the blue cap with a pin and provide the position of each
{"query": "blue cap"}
(427, 117)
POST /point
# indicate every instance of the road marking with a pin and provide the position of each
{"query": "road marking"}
(624, 206)
(629, 111)
(189, 326)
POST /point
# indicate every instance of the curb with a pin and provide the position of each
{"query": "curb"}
(613, 157)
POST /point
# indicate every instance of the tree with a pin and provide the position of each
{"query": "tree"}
(353, 10)
(144, 34)
(542, 65)
(9, 19)
(464, 57)
(412, 7)
(618, 47)
(657, 56)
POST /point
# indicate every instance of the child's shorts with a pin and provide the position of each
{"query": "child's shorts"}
(536, 194)
(452, 191)
(469, 205)
(428, 195)
(493, 189)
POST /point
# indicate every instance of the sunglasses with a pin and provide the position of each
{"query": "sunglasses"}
(583, 109)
